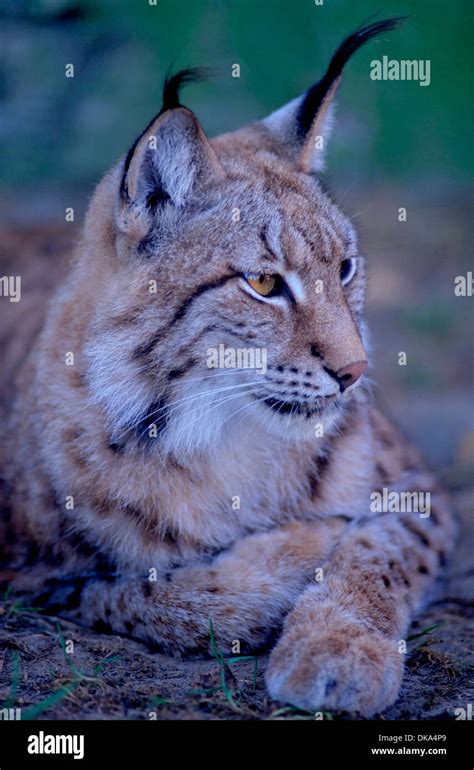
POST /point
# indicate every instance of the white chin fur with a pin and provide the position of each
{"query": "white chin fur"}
(203, 430)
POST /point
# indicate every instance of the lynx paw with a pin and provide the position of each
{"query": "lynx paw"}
(331, 661)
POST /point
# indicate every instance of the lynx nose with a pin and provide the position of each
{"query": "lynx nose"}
(350, 374)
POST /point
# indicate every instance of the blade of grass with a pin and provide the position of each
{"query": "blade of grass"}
(425, 631)
(34, 711)
(15, 680)
(217, 654)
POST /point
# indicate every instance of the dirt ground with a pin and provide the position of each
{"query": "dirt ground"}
(411, 308)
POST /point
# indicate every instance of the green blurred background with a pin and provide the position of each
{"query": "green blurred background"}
(56, 130)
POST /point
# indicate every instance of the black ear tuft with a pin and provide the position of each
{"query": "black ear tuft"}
(174, 83)
(315, 95)
(171, 89)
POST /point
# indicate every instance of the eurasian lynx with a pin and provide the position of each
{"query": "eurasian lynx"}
(149, 492)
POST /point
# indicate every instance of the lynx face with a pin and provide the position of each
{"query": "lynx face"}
(227, 252)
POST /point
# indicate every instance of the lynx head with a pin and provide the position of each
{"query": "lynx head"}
(237, 290)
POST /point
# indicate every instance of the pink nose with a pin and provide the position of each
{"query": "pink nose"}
(351, 373)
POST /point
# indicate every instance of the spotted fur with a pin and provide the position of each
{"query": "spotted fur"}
(148, 494)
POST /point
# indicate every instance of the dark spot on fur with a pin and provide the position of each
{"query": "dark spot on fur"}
(76, 379)
(74, 598)
(382, 472)
(103, 506)
(330, 686)
(129, 318)
(153, 422)
(386, 441)
(144, 350)
(129, 627)
(72, 434)
(81, 546)
(411, 527)
(117, 447)
(398, 573)
(78, 459)
(169, 537)
(32, 554)
(147, 589)
(140, 520)
(386, 581)
(10, 537)
(181, 371)
(61, 594)
(54, 558)
(101, 627)
(423, 570)
(105, 570)
(314, 476)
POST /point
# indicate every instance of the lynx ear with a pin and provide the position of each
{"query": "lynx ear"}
(303, 125)
(168, 162)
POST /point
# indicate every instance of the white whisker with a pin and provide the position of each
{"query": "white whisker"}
(173, 405)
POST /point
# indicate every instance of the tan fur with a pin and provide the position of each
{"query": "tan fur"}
(166, 503)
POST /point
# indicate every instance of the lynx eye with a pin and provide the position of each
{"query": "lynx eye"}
(348, 268)
(265, 284)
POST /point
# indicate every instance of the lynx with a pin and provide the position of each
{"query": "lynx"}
(150, 495)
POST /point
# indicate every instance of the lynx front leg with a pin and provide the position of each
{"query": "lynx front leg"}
(340, 646)
(246, 592)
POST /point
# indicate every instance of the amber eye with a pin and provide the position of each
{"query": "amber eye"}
(265, 284)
